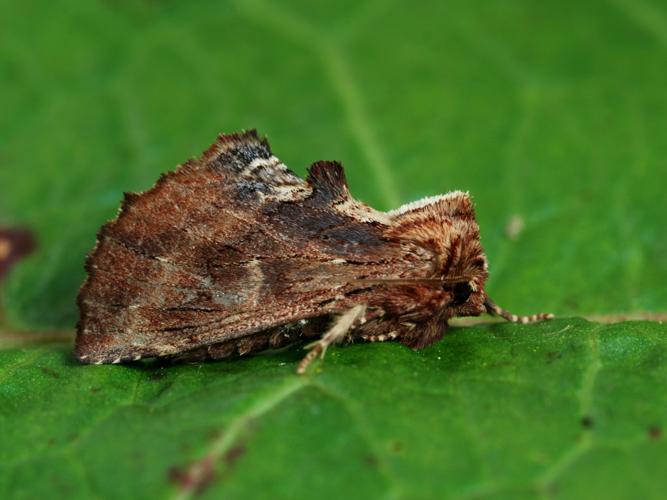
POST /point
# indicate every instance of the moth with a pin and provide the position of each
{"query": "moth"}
(233, 253)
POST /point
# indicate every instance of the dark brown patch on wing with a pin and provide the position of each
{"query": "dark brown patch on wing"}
(328, 181)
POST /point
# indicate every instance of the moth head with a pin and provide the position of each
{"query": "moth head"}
(445, 227)
(464, 298)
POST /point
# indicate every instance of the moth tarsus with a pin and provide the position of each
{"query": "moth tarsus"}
(233, 254)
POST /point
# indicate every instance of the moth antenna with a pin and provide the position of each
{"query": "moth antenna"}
(496, 310)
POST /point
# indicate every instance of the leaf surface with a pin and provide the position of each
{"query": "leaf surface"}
(553, 116)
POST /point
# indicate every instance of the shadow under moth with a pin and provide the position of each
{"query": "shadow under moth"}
(232, 253)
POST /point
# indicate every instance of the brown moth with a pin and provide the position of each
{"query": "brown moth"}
(233, 253)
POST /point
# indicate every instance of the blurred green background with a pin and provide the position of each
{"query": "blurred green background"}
(550, 113)
(555, 112)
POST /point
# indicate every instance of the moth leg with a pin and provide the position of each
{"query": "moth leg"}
(393, 335)
(337, 333)
(379, 329)
(496, 310)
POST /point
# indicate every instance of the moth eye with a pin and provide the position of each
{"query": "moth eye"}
(462, 291)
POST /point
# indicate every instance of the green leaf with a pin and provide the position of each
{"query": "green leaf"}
(553, 116)
(565, 407)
